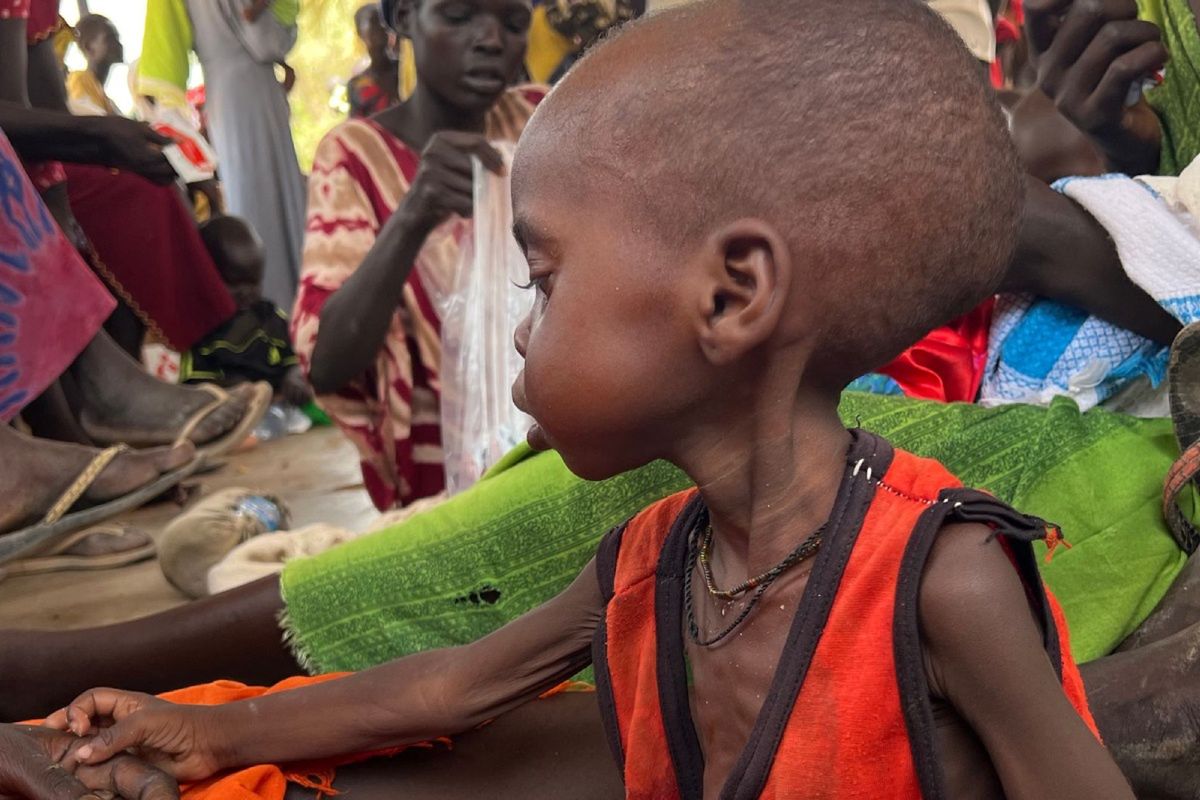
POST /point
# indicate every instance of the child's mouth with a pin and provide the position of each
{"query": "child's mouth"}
(537, 439)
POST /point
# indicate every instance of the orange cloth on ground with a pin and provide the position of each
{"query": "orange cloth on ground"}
(848, 715)
(265, 781)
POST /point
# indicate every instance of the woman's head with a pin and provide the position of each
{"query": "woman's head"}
(466, 51)
(368, 22)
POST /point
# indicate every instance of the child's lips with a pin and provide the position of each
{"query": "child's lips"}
(537, 439)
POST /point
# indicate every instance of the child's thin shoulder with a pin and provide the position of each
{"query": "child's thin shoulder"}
(973, 605)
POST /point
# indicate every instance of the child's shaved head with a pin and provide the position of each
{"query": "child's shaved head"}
(862, 130)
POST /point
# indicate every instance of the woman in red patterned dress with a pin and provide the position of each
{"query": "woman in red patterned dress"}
(387, 201)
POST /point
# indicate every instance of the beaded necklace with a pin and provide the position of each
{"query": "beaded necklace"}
(699, 552)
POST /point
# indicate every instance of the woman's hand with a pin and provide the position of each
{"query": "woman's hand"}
(133, 146)
(444, 184)
(181, 740)
(1090, 56)
(40, 764)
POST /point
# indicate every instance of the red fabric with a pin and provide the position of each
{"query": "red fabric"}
(51, 305)
(43, 20)
(846, 736)
(148, 241)
(948, 364)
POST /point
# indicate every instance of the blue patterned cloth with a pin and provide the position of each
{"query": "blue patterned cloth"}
(1040, 349)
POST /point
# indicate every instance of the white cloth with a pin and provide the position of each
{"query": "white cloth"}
(1040, 349)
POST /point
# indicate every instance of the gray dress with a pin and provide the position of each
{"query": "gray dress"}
(248, 122)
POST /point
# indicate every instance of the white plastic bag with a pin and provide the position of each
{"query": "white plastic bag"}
(479, 363)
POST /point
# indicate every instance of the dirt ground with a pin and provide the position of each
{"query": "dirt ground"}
(316, 474)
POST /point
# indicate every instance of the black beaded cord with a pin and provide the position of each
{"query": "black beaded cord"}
(698, 552)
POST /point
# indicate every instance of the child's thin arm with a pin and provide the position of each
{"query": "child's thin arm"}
(984, 654)
(431, 694)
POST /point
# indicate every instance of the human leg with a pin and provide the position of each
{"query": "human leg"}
(548, 749)
(37, 471)
(49, 416)
(232, 635)
(121, 402)
(1146, 703)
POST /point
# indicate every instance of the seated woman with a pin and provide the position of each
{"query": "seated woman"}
(133, 227)
(55, 354)
(387, 200)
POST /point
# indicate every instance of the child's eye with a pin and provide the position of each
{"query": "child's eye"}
(541, 284)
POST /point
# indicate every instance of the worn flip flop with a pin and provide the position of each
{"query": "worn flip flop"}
(60, 521)
(113, 544)
(256, 409)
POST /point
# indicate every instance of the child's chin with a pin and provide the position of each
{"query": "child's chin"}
(536, 438)
(590, 468)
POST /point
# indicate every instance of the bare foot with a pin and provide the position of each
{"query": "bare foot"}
(37, 471)
(1147, 705)
(122, 403)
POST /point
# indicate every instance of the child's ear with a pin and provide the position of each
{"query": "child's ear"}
(748, 269)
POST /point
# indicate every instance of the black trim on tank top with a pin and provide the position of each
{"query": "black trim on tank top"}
(606, 574)
(955, 506)
(606, 560)
(682, 741)
(867, 460)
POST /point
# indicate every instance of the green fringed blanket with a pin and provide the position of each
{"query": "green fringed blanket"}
(518, 537)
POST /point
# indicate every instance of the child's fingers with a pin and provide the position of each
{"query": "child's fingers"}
(97, 704)
(56, 721)
(108, 742)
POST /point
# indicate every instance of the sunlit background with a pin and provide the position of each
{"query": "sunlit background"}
(325, 56)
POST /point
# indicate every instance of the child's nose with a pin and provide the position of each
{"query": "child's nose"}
(521, 336)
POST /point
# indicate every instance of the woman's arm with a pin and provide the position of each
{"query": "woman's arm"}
(355, 318)
(40, 135)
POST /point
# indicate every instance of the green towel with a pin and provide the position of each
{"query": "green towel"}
(1177, 100)
(519, 536)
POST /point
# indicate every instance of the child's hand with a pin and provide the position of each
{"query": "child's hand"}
(1091, 57)
(38, 763)
(444, 181)
(180, 740)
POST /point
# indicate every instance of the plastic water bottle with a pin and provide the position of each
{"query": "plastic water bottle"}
(274, 425)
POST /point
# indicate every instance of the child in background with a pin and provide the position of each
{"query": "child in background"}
(824, 616)
(378, 86)
(253, 345)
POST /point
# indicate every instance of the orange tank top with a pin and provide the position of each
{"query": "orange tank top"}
(848, 714)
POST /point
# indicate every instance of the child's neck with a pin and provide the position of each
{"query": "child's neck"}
(771, 477)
